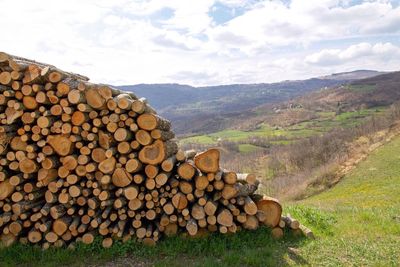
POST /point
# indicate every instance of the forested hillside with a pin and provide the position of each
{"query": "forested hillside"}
(206, 109)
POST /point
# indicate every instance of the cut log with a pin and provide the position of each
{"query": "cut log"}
(210, 208)
(201, 182)
(105, 140)
(78, 118)
(225, 218)
(229, 192)
(95, 99)
(133, 165)
(179, 201)
(162, 178)
(60, 226)
(247, 177)
(186, 171)
(88, 238)
(107, 165)
(34, 236)
(184, 155)
(61, 144)
(6, 189)
(208, 161)
(191, 227)
(272, 208)
(290, 222)
(107, 242)
(28, 166)
(306, 232)
(245, 189)
(168, 164)
(157, 152)
(229, 177)
(131, 192)
(198, 212)
(150, 122)
(162, 135)
(151, 171)
(249, 206)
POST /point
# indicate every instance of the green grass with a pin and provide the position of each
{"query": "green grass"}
(361, 87)
(360, 223)
(199, 139)
(246, 148)
(234, 135)
(245, 248)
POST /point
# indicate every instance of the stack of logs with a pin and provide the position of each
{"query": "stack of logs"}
(79, 159)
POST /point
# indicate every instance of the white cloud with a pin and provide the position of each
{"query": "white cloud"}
(381, 53)
(150, 41)
(272, 23)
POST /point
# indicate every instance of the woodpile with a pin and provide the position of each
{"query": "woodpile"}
(80, 160)
(294, 226)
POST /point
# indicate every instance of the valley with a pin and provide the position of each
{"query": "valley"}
(195, 110)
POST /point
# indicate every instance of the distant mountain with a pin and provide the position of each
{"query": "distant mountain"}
(377, 92)
(381, 90)
(185, 105)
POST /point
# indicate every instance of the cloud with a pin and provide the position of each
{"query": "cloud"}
(274, 23)
(193, 76)
(165, 41)
(380, 52)
(150, 41)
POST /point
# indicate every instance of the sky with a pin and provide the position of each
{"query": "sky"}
(203, 42)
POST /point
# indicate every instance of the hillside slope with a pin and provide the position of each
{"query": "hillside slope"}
(358, 220)
(189, 106)
(304, 116)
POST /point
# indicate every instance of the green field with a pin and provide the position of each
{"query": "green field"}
(361, 87)
(246, 148)
(324, 122)
(357, 223)
(364, 215)
(235, 135)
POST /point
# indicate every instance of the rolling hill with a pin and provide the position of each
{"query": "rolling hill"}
(206, 109)
(314, 113)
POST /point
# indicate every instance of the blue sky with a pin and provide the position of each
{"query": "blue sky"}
(204, 42)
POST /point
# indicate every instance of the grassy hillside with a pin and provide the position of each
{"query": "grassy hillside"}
(363, 215)
(357, 223)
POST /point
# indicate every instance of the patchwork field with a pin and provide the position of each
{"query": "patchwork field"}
(324, 122)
